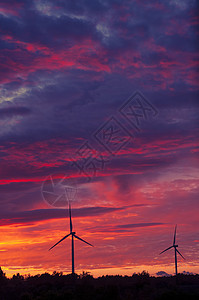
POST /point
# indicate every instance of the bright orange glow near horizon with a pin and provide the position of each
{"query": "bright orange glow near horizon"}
(124, 242)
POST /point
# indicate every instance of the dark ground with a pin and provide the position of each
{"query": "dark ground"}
(67, 287)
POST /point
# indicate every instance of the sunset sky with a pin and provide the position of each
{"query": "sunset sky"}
(83, 82)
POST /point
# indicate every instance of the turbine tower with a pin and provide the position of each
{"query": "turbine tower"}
(175, 249)
(73, 235)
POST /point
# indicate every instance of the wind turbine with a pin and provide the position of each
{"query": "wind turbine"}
(73, 235)
(175, 249)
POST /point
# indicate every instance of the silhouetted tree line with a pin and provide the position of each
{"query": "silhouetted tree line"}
(85, 287)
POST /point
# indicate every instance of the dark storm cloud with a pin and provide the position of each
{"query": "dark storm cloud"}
(35, 27)
(84, 102)
(64, 28)
(84, 7)
(71, 87)
(126, 226)
(26, 217)
(14, 111)
(177, 42)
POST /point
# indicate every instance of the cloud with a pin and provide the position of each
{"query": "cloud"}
(14, 111)
(139, 225)
(163, 274)
(32, 216)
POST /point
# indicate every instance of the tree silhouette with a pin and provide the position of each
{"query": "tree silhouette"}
(84, 286)
(2, 274)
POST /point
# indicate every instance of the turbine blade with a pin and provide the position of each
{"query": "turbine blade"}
(82, 240)
(180, 253)
(174, 238)
(71, 225)
(166, 249)
(60, 241)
